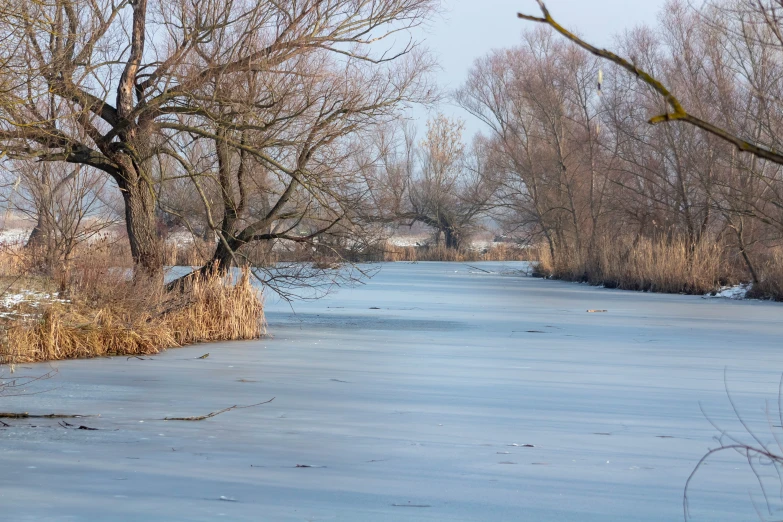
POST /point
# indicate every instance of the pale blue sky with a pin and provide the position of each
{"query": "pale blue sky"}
(469, 29)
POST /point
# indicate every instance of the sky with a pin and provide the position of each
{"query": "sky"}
(469, 29)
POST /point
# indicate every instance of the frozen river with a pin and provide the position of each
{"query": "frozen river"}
(434, 392)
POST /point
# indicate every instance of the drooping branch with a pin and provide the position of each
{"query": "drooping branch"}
(678, 112)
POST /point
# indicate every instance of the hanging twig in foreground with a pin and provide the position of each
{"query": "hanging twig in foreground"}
(11, 383)
(676, 110)
(758, 454)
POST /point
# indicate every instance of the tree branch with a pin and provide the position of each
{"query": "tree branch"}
(678, 112)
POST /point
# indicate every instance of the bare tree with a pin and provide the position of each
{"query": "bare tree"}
(439, 182)
(540, 102)
(70, 206)
(279, 147)
(580, 166)
(119, 96)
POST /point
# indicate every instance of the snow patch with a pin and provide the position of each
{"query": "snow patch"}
(9, 302)
(732, 292)
(13, 236)
(180, 238)
(408, 241)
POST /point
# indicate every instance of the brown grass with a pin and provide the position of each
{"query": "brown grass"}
(106, 313)
(501, 252)
(219, 308)
(11, 262)
(655, 266)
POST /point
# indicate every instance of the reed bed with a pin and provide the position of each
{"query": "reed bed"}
(500, 252)
(669, 266)
(104, 312)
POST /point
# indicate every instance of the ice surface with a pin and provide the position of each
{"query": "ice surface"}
(415, 397)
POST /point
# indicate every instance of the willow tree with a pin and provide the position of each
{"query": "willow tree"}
(280, 145)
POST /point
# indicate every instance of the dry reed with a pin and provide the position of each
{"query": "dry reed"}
(770, 275)
(108, 314)
(501, 252)
(11, 262)
(648, 265)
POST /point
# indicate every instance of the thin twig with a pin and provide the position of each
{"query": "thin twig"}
(8, 383)
(757, 455)
(25, 415)
(215, 413)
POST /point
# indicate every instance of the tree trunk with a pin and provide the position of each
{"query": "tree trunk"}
(740, 230)
(141, 224)
(221, 262)
(223, 257)
(131, 152)
(452, 238)
(43, 202)
(38, 233)
(41, 244)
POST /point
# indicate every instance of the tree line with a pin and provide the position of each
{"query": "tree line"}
(252, 123)
(683, 149)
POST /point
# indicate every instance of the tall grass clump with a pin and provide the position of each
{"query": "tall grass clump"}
(104, 311)
(218, 308)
